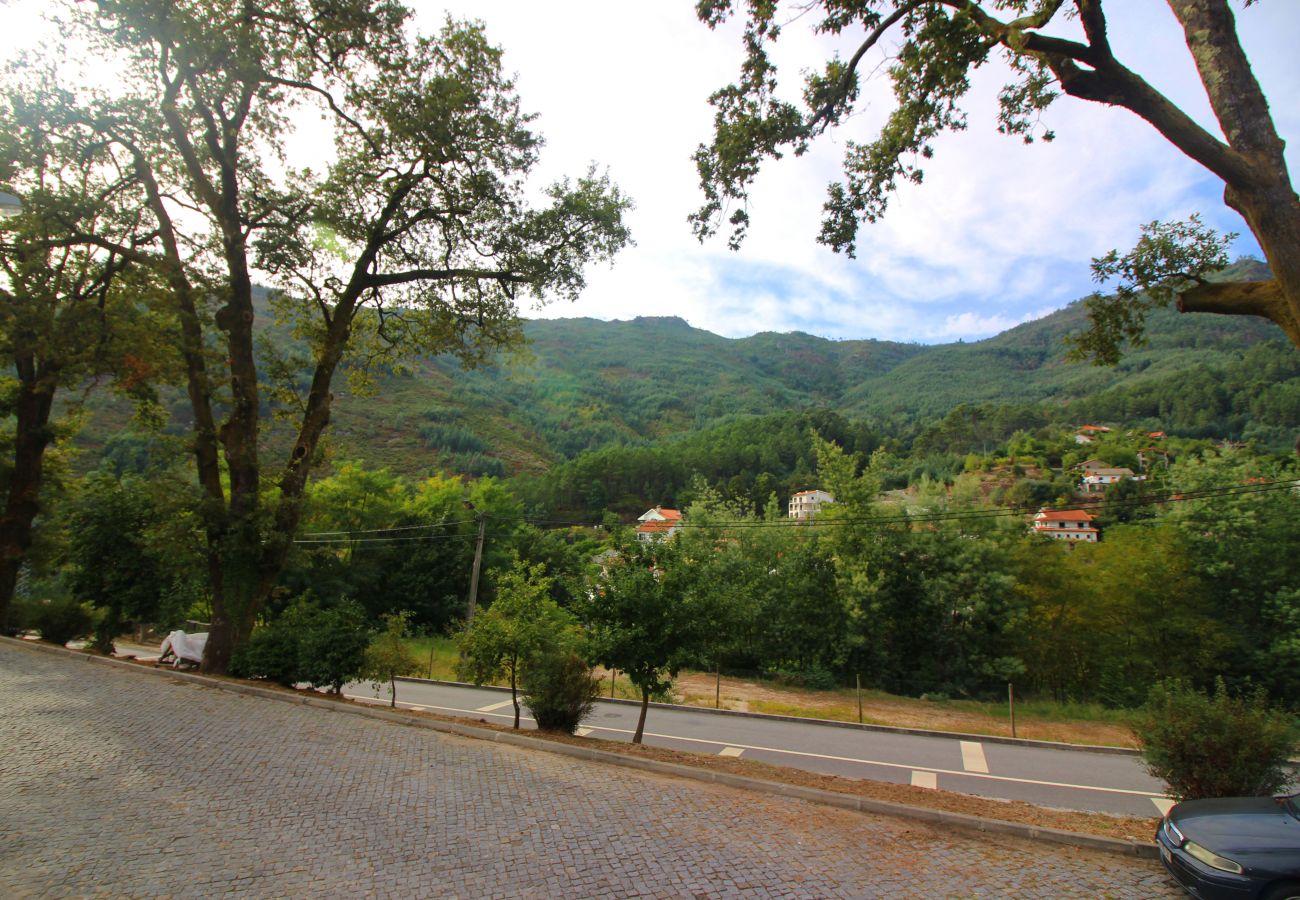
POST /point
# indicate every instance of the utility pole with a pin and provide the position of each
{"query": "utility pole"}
(478, 562)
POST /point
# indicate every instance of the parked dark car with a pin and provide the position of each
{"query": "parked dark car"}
(1243, 848)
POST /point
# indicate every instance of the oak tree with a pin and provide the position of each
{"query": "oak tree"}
(416, 236)
(938, 44)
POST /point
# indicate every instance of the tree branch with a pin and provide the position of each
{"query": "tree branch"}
(846, 82)
(372, 281)
(1242, 298)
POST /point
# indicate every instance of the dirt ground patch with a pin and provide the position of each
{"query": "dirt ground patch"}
(701, 689)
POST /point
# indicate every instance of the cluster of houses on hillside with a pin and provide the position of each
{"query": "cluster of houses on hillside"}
(661, 523)
(1078, 524)
(1095, 476)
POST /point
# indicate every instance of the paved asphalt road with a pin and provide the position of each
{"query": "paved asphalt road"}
(115, 782)
(1066, 779)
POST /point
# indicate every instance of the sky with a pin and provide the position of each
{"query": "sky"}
(997, 234)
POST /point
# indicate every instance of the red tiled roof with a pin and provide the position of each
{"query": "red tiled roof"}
(656, 526)
(668, 513)
(1063, 515)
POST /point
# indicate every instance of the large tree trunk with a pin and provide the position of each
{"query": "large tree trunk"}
(1253, 166)
(32, 436)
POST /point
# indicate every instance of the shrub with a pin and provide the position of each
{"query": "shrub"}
(60, 619)
(332, 645)
(106, 630)
(1214, 745)
(813, 677)
(559, 690)
(271, 654)
(323, 647)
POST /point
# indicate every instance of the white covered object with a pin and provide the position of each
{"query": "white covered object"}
(185, 647)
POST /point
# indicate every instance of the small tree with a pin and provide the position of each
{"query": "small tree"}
(388, 656)
(559, 690)
(1214, 745)
(640, 619)
(520, 625)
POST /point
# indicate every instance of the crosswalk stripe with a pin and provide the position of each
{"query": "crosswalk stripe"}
(495, 706)
(925, 780)
(972, 757)
(731, 751)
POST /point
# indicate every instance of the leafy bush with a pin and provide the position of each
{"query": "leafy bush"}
(332, 646)
(271, 654)
(1214, 745)
(323, 647)
(559, 690)
(60, 619)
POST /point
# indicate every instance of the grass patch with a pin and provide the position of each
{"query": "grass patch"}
(437, 656)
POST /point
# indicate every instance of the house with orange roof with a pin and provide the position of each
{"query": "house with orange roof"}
(1089, 433)
(658, 524)
(1066, 525)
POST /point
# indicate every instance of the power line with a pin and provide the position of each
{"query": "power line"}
(391, 528)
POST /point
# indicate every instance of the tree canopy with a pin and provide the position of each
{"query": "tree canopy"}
(938, 44)
(417, 237)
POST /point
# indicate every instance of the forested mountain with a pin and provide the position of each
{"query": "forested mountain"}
(584, 385)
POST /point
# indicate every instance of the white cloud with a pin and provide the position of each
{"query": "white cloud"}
(997, 232)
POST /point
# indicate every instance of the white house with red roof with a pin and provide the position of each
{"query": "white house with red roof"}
(1066, 525)
(806, 504)
(658, 524)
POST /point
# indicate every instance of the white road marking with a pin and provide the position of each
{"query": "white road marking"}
(495, 706)
(848, 759)
(1164, 804)
(925, 780)
(972, 757)
(583, 732)
(731, 751)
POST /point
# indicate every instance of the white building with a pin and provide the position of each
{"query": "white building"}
(1096, 481)
(1066, 525)
(806, 504)
(658, 524)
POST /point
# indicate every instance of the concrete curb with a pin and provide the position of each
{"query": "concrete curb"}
(812, 795)
(832, 723)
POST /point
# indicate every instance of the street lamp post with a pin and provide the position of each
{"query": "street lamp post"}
(478, 562)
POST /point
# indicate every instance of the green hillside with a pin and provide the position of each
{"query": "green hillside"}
(582, 385)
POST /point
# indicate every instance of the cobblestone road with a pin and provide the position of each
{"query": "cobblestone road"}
(120, 783)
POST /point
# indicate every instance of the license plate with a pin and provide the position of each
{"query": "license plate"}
(1165, 854)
